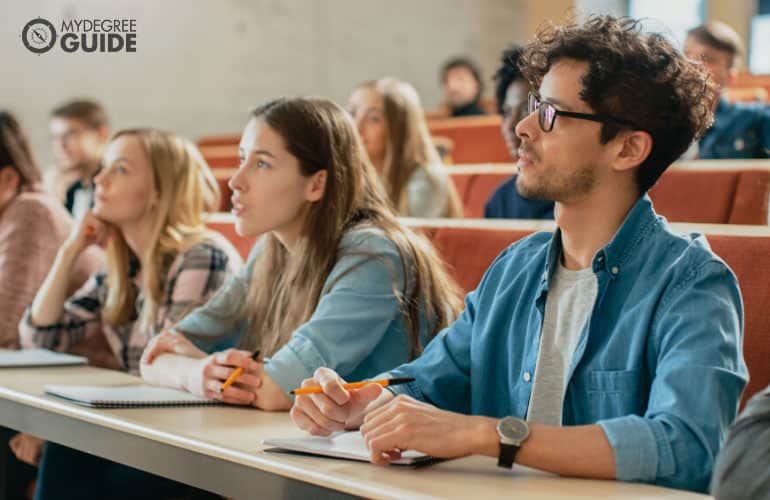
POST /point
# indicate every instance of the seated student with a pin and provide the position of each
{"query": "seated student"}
(392, 126)
(79, 131)
(462, 85)
(150, 200)
(511, 93)
(740, 130)
(617, 340)
(32, 227)
(742, 471)
(335, 281)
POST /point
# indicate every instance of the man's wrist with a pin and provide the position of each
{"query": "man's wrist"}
(483, 438)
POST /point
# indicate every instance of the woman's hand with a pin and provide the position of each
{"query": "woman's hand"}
(210, 373)
(89, 231)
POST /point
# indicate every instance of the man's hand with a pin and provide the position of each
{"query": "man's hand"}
(407, 424)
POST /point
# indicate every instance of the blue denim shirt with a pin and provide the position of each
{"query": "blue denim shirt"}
(740, 130)
(356, 329)
(658, 365)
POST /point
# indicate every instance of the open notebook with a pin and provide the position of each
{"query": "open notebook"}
(127, 396)
(38, 357)
(347, 445)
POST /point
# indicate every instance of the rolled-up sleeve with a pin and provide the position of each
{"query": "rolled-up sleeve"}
(699, 375)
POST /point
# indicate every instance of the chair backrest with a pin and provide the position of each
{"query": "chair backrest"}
(477, 139)
(219, 140)
(746, 94)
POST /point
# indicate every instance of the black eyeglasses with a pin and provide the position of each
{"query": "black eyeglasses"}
(547, 114)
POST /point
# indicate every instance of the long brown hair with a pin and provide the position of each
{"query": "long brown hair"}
(16, 152)
(285, 288)
(409, 146)
(185, 189)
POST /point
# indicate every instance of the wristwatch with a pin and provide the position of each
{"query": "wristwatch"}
(512, 431)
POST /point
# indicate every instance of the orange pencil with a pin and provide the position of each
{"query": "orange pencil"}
(236, 373)
(354, 385)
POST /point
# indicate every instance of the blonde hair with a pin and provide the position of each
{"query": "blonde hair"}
(285, 288)
(184, 189)
(409, 146)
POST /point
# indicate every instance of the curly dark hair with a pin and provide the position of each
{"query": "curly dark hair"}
(508, 73)
(635, 76)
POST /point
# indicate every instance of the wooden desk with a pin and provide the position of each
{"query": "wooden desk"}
(218, 449)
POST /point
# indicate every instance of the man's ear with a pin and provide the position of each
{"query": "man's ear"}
(317, 186)
(636, 147)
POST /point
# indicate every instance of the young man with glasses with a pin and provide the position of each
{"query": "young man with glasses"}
(608, 349)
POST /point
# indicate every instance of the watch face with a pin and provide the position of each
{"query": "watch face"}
(513, 429)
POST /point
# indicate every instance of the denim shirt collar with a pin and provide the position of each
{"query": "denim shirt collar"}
(613, 256)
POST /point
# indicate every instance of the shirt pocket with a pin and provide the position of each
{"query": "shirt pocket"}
(613, 393)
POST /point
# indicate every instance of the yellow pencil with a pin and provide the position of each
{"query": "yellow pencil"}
(354, 385)
(237, 373)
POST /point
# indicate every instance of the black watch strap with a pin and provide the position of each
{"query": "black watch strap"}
(507, 455)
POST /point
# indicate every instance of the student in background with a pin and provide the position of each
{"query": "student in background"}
(392, 126)
(742, 471)
(150, 200)
(511, 92)
(32, 227)
(740, 130)
(79, 131)
(594, 334)
(463, 86)
(335, 281)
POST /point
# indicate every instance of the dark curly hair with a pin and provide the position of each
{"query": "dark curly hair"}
(507, 73)
(638, 77)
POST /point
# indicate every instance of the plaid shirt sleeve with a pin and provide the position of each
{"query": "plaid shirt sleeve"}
(193, 278)
(81, 319)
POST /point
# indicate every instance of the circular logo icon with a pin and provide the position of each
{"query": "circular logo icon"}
(39, 35)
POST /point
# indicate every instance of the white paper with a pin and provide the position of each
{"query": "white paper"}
(349, 445)
(38, 357)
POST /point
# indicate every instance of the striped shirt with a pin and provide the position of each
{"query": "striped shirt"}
(193, 276)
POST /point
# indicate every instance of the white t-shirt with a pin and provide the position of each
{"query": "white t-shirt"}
(571, 298)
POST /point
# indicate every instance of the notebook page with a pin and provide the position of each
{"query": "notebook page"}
(138, 395)
(349, 445)
(38, 357)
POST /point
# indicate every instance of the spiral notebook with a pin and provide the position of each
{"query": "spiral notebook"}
(346, 445)
(127, 396)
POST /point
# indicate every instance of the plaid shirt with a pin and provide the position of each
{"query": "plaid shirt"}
(192, 278)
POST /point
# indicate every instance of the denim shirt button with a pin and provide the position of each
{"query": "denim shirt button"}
(527, 377)
(615, 270)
